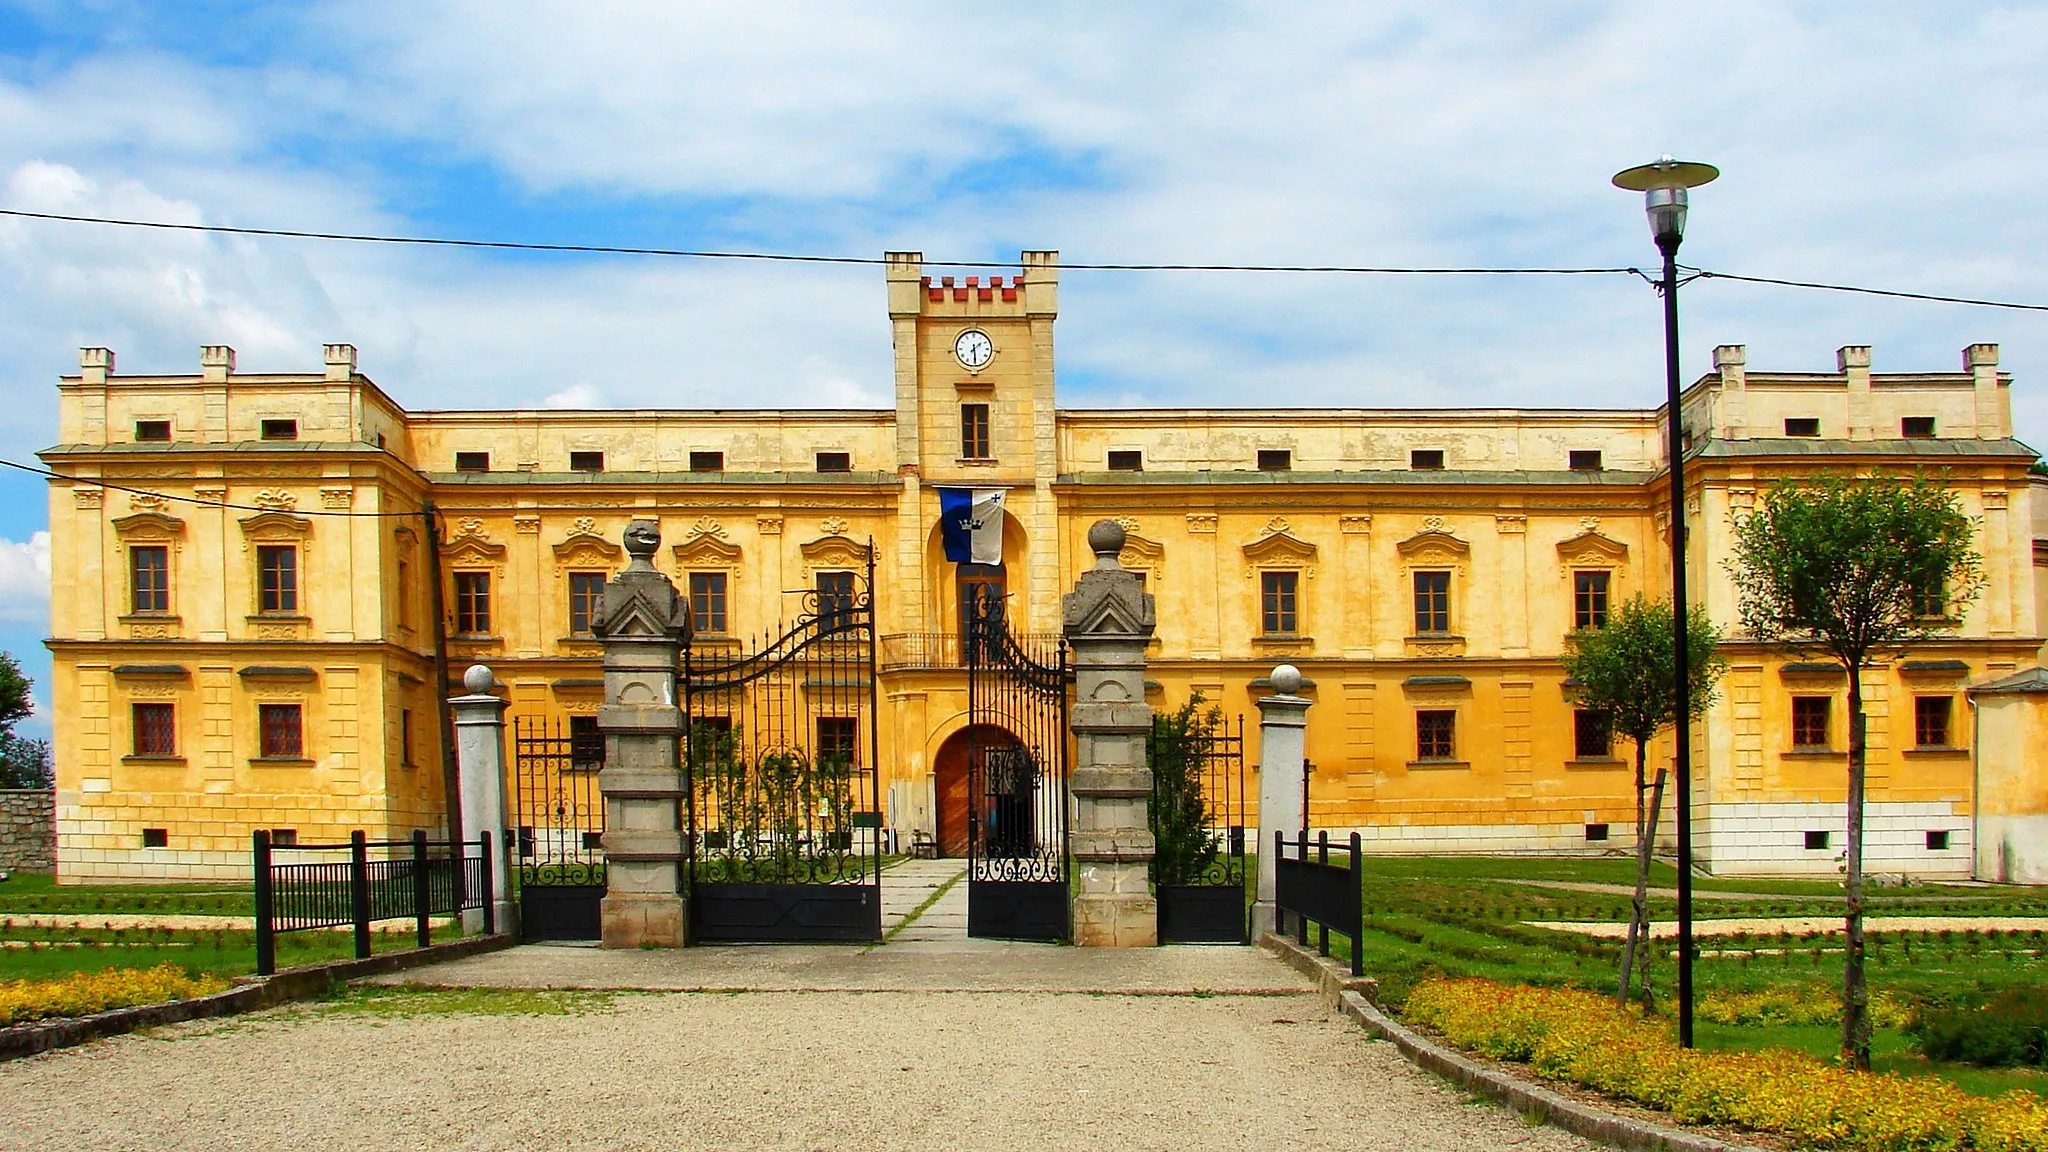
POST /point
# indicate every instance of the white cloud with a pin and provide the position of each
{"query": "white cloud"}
(25, 580)
(581, 394)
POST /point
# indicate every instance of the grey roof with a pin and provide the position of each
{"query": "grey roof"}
(1437, 682)
(2030, 682)
(1815, 446)
(278, 672)
(1610, 477)
(622, 476)
(1935, 666)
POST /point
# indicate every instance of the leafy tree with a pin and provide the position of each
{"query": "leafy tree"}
(25, 763)
(1854, 569)
(1626, 674)
(14, 686)
(1182, 743)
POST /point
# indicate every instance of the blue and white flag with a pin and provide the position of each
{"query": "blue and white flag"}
(971, 524)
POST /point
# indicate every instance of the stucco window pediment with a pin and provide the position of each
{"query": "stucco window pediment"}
(829, 553)
(1589, 549)
(470, 546)
(276, 528)
(706, 552)
(1280, 549)
(149, 526)
(1434, 548)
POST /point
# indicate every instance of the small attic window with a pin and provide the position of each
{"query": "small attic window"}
(1917, 427)
(586, 461)
(1426, 459)
(152, 431)
(472, 461)
(1586, 462)
(835, 461)
(1802, 425)
(707, 461)
(280, 430)
(1135, 461)
(1275, 460)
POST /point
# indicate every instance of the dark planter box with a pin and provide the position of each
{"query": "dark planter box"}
(1203, 914)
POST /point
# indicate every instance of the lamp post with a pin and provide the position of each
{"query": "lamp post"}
(1663, 186)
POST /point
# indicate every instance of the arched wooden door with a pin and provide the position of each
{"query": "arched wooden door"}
(951, 774)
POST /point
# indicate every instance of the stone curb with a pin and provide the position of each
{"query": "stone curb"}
(1345, 995)
(301, 983)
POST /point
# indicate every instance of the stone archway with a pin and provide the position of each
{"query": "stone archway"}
(949, 778)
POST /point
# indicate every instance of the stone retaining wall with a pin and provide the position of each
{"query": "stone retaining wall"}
(28, 835)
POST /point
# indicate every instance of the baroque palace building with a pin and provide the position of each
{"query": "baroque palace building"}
(245, 628)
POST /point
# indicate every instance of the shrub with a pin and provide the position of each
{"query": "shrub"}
(2009, 1028)
(85, 993)
(1807, 1004)
(1587, 1039)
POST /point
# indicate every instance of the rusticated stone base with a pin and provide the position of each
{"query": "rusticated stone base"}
(1115, 907)
(642, 921)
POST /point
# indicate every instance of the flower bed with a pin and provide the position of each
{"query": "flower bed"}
(83, 994)
(1587, 1039)
(1806, 1004)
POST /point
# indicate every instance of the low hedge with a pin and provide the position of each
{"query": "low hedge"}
(1585, 1038)
(2006, 1029)
(88, 992)
(1804, 1004)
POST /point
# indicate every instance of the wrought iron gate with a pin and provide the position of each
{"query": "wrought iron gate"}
(560, 816)
(1198, 827)
(784, 829)
(1017, 866)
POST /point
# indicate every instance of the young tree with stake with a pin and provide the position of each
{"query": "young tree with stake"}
(1626, 672)
(1855, 569)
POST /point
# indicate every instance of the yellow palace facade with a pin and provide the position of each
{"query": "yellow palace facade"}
(248, 632)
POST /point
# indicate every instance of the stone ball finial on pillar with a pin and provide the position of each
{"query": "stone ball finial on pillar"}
(1106, 539)
(642, 538)
(1286, 679)
(478, 680)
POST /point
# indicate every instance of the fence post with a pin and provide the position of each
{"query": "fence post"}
(359, 890)
(266, 937)
(422, 891)
(490, 891)
(1301, 916)
(1322, 861)
(1283, 735)
(1357, 908)
(480, 762)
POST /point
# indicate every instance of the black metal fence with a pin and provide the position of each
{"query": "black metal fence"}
(559, 812)
(1018, 738)
(1198, 817)
(301, 887)
(1309, 887)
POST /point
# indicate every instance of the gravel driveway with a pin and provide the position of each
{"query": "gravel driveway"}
(797, 1070)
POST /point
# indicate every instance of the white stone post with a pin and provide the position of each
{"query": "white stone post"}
(1283, 751)
(480, 769)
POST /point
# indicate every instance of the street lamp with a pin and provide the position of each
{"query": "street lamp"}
(1663, 186)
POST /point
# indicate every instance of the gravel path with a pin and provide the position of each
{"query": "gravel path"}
(877, 1070)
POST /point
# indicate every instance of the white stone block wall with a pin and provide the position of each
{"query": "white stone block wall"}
(1770, 839)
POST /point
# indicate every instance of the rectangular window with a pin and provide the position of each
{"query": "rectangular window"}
(1589, 600)
(1931, 603)
(277, 569)
(1816, 841)
(152, 431)
(149, 578)
(1436, 735)
(586, 461)
(835, 594)
(1917, 427)
(281, 733)
(1586, 462)
(838, 740)
(707, 602)
(707, 461)
(586, 744)
(284, 837)
(1426, 459)
(974, 432)
(1810, 721)
(405, 759)
(1126, 461)
(585, 590)
(1277, 616)
(156, 838)
(156, 729)
(1592, 735)
(1802, 426)
(1930, 721)
(280, 430)
(1275, 460)
(472, 461)
(1596, 832)
(1937, 841)
(1432, 602)
(835, 461)
(473, 603)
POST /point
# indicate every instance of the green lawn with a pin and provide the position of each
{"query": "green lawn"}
(1467, 916)
(43, 953)
(40, 893)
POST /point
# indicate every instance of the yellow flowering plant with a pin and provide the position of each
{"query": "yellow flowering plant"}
(85, 993)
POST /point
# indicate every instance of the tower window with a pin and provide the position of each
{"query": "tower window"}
(1275, 460)
(707, 461)
(472, 461)
(1802, 426)
(835, 461)
(1426, 459)
(1917, 427)
(974, 437)
(280, 430)
(586, 461)
(1126, 461)
(152, 431)
(1586, 462)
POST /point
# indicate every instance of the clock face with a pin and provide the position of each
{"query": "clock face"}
(974, 348)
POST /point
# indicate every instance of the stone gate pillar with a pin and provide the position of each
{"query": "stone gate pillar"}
(1283, 749)
(480, 766)
(641, 621)
(1108, 620)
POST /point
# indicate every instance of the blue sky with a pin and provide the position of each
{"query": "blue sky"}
(1887, 144)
